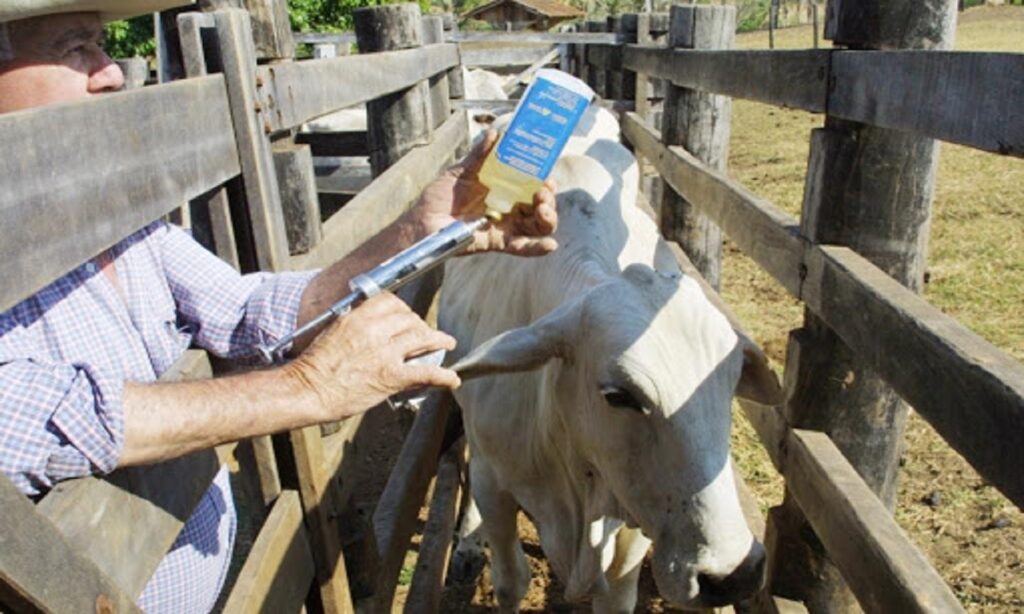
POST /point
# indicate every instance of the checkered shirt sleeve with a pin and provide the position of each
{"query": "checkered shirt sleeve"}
(228, 313)
(66, 352)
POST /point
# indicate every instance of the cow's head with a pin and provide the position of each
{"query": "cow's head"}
(643, 371)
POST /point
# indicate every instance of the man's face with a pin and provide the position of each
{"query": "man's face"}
(57, 58)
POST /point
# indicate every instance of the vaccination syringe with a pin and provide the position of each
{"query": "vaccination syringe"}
(390, 275)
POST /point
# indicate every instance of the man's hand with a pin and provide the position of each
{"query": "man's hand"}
(459, 194)
(359, 360)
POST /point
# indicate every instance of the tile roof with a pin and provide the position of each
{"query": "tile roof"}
(547, 8)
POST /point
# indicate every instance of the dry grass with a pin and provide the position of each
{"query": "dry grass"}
(976, 274)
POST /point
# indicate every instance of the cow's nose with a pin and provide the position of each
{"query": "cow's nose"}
(719, 590)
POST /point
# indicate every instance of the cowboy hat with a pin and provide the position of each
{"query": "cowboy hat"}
(109, 10)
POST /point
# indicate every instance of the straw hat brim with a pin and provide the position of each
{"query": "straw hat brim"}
(109, 10)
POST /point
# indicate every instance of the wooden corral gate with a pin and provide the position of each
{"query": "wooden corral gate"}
(223, 140)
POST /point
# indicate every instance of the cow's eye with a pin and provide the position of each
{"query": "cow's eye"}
(619, 397)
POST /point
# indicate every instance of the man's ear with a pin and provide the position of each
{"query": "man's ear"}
(522, 349)
(758, 383)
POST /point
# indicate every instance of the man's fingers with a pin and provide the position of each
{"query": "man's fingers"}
(433, 376)
(526, 246)
(423, 340)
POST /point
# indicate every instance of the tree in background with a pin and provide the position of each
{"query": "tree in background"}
(134, 37)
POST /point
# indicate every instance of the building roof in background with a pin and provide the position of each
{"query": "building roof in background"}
(544, 8)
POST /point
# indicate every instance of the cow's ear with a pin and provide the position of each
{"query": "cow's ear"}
(521, 349)
(758, 382)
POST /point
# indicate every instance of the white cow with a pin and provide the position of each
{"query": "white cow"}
(597, 399)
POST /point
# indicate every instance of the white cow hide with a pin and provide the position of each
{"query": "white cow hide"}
(597, 399)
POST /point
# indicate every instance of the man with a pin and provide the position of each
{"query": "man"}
(79, 360)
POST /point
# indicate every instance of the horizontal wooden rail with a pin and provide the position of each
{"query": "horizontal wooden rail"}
(497, 56)
(796, 79)
(279, 570)
(62, 205)
(325, 38)
(533, 37)
(964, 98)
(970, 391)
(974, 99)
(127, 522)
(41, 572)
(296, 92)
(338, 38)
(884, 569)
(386, 198)
(762, 231)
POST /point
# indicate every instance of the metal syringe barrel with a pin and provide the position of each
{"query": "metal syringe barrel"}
(390, 275)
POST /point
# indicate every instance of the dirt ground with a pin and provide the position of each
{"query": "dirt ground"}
(973, 535)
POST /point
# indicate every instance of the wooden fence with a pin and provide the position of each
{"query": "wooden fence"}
(854, 259)
(228, 147)
(222, 141)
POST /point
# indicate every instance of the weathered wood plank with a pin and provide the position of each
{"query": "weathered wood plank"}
(238, 59)
(795, 79)
(533, 37)
(884, 569)
(271, 29)
(396, 122)
(492, 56)
(330, 84)
(104, 184)
(524, 77)
(32, 552)
(394, 520)
(342, 175)
(127, 521)
(970, 391)
(761, 230)
(209, 213)
(974, 99)
(435, 548)
(322, 38)
(885, 24)
(295, 175)
(386, 198)
(279, 570)
(318, 502)
(701, 123)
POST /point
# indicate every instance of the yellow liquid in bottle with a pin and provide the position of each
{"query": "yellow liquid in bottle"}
(507, 186)
(543, 121)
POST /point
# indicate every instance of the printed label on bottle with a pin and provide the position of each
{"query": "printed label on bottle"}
(543, 123)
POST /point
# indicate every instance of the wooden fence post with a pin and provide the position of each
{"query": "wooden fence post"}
(700, 122)
(440, 105)
(870, 189)
(629, 34)
(396, 122)
(294, 167)
(595, 77)
(613, 78)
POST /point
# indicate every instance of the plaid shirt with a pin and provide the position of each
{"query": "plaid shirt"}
(66, 352)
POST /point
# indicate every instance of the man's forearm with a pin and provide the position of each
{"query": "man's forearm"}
(167, 420)
(331, 284)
